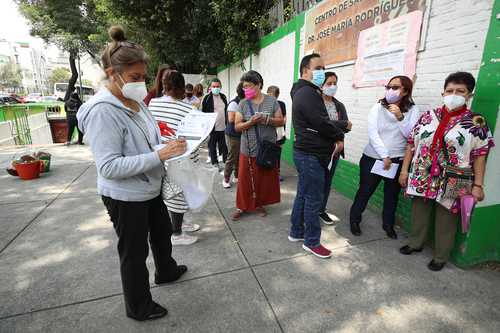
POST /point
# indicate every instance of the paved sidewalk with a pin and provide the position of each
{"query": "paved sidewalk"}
(59, 269)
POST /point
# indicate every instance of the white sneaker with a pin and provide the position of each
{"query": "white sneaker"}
(293, 239)
(183, 239)
(226, 184)
(221, 172)
(190, 227)
(219, 158)
(209, 160)
(235, 180)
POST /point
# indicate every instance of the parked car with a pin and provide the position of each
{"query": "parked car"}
(49, 99)
(6, 100)
(34, 98)
(19, 99)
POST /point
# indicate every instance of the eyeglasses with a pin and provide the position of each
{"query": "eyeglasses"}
(124, 44)
(388, 87)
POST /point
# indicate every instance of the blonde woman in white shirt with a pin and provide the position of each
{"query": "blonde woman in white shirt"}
(390, 122)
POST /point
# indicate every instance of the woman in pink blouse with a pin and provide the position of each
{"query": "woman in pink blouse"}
(450, 137)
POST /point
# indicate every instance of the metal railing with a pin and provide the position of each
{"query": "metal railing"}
(21, 128)
(285, 10)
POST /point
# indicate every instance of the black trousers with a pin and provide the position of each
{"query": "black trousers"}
(368, 183)
(177, 219)
(133, 221)
(217, 138)
(72, 123)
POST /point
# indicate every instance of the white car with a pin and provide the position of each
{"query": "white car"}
(34, 98)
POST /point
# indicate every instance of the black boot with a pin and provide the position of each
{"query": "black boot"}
(355, 229)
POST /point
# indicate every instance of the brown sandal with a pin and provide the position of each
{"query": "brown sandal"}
(236, 216)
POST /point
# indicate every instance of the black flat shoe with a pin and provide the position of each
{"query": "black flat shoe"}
(407, 250)
(181, 269)
(436, 266)
(355, 229)
(157, 312)
(391, 233)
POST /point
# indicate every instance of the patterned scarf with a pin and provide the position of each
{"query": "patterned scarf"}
(438, 139)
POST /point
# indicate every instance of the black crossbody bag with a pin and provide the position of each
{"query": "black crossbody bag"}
(268, 153)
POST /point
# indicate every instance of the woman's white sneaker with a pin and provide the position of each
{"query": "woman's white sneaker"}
(183, 239)
(190, 227)
(226, 184)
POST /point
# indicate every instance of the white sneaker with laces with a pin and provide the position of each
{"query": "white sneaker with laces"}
(293, 239)
(209, 160)
(190, 227)
(226, 184)
(219, 158)
(183, 239)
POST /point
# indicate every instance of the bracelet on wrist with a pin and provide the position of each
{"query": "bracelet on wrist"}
(477, 185)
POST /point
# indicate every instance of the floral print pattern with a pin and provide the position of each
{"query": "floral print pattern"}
(466, 137)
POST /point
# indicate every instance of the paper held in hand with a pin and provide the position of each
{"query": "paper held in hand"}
(195, 128)
(378, 169)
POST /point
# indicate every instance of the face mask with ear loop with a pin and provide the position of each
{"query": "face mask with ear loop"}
(135, 91)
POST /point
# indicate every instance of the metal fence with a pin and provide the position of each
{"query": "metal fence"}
(285, 10)
(21, 128)
(302, 5)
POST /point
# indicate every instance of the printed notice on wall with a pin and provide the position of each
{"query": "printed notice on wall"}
(332, 27)
(387, 50)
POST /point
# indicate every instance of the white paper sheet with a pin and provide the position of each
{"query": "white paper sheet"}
(378, 169)
(195, 128)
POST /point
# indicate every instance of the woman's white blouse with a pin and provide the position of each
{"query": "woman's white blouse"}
(388, 136)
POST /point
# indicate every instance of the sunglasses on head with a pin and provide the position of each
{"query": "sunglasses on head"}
(389, 87)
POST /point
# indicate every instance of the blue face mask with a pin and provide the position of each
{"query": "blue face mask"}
(318, 77)
(215, 91)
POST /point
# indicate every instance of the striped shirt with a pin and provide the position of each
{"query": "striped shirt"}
(172, 111)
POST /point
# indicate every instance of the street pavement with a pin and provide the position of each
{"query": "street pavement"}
(59, 269)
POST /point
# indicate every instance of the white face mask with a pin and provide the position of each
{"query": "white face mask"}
(134, 90)
(330, 90)
(453, 101)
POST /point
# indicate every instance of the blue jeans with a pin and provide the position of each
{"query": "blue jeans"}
(309, 199)
(328, 183)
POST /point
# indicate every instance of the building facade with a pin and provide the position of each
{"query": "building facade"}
(460, 35)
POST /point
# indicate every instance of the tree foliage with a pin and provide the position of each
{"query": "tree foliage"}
(59, 74)
(72, 25)
(10, 76)
(241, 24)
(196, 35)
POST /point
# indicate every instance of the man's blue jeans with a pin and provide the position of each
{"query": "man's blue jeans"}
(309, 199)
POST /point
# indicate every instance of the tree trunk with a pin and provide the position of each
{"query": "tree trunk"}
(74, 75)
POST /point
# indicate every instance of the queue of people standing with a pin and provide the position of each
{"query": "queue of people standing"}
(429, 152)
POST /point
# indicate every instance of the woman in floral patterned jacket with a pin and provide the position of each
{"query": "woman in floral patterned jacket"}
(448, 137)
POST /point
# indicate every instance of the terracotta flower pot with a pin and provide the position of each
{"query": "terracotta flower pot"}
(28, 170)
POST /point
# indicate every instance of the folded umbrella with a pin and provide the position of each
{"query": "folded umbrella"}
(467, 203)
